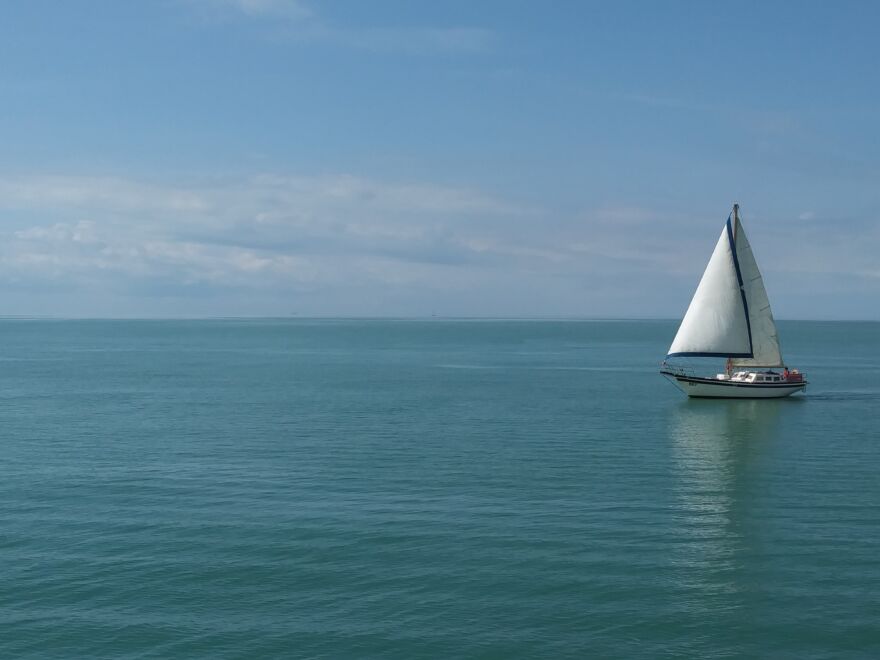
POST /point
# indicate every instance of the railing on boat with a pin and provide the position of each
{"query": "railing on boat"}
(675, 370)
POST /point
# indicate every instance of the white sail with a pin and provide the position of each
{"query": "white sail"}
(715, 323)
(765, 342)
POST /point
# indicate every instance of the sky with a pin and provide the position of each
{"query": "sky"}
(507, 158)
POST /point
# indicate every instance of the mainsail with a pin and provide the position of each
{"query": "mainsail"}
(729, 315)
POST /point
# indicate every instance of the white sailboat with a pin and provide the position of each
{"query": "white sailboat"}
(729, 317)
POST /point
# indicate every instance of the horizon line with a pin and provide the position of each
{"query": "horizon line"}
(439, 317)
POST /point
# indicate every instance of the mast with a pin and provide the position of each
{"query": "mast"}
(728, 366)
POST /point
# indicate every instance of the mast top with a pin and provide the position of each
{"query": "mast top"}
(736, 211)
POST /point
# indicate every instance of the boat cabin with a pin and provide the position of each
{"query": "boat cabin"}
(757, 377)
(760, 377)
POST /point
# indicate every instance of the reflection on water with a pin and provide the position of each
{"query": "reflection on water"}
(717, 445)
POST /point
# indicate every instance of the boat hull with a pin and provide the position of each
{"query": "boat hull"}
(713, 388)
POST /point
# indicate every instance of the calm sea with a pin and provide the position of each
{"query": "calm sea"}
(429, 489)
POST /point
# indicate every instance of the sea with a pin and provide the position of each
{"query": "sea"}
(436, 488)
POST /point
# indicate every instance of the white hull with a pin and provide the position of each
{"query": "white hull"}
(726, 389)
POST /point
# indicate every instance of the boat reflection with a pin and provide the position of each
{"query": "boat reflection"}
(718, 447)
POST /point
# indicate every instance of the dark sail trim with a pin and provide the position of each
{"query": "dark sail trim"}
(742, 291)
(724, 355)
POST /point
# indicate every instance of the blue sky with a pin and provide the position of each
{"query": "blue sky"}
(275, 157)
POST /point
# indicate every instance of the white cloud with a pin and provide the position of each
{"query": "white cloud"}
(288, 9)
(413, 40)
(263, 231)
(109, 194)
(347, 244)
(297, 21)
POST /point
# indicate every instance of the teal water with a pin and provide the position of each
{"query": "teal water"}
(429, 489)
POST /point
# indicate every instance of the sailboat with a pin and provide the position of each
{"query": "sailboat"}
(730, 317)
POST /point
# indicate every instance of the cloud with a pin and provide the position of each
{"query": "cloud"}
(267, 232)
(106, 193)
(344, 244)
(341, 241)
(414, 40)
(296, 21)
(294, 10)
